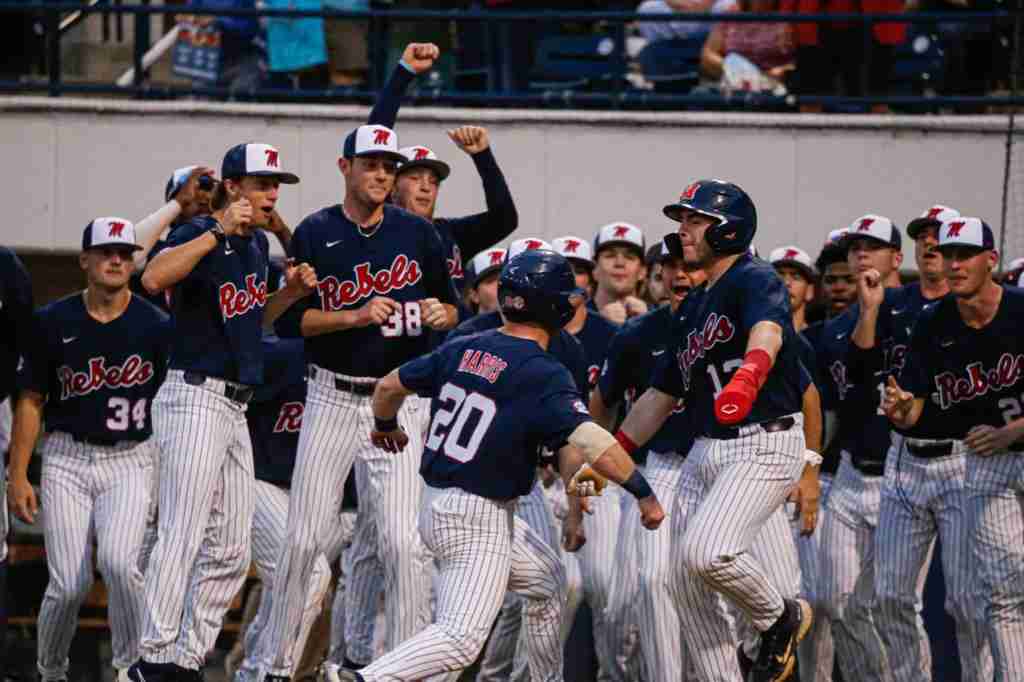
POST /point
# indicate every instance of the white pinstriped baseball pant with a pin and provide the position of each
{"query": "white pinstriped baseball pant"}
(598, 570)
(923, 499)
(848, 572)
(93, 491)
(729, 491)
(482, 550)
(205, 516)
(269, 524)
(816, 651)
(995, 486)
(335, 430)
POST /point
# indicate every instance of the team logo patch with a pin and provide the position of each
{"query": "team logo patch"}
(455, 263)
(116, 230)
(235, 301)
(381, 136)
(934, 212)
(271, 157)
(497, 257)
(133, 372)
(717, 329)
(690, 191)
(865, 225)
(289, 419)
(421, 153)
(571, 245)
(791, 254)
(580, 407)
(532, 244)
(620, 232)
(336, 295)
(954, 228)
(593, 372)
(838, 371)
(513, 302)
(977, 381)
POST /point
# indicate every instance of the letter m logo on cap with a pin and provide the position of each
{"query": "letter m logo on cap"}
(271, 158)
(381, 136)
(934, 212)
(571, 245)
(421, 153)
(954, 229)
(116, 230)
(533, 244)
(497, 256)
(620, 232)
(865, 224)
(791, 254)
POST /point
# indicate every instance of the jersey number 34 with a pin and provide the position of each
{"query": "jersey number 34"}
(465, 409)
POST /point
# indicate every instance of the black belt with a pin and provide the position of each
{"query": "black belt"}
(867, 467)
(347, 385)
(771, 426)
(240, 393)
(95, 440)
(930, 450)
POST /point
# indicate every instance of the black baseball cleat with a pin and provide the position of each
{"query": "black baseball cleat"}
(144, 671)
(777, 656)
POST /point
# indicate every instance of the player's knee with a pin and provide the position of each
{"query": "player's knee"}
(698, 556)
(73, 590)
(656, 577)
(118, 568)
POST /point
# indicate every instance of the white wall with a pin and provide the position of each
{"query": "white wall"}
(68, 161)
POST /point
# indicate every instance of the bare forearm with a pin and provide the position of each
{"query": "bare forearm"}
(389, 396)
(812, 419)
(601, 413)
(766, 336)
(277, 304)
(174, 264)
(317, 322)
(647, 415)
(570, 459)
(28, 421)
(615, 465)
(149, 229)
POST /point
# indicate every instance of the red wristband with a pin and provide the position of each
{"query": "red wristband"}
(625, 441)
(759, 363)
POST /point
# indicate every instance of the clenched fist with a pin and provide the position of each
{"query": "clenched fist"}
(470, 139)
(420, 56)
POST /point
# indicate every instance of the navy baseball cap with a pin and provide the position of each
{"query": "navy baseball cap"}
(109, 232)
(422, 157)
(966, 232)
(875, 227)
(255, 158)
(933, 217)
(370, 140)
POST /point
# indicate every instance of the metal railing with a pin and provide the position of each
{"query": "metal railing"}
(616, 91)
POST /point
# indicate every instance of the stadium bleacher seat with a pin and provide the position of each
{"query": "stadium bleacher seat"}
(673, 66)
(575, 63)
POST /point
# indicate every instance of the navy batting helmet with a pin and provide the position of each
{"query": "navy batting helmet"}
(726, 203)
(538, 286)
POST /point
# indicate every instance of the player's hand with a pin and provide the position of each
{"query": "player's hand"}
(275, 223)
(470, 139)
(651, 513)
(378, 310)
(987, 440)
(300, 279)
(805, 498)
(420, 56)
(586, 482)
(237, 217)
(573, 536)
(897, 403)
(736, 400)
(433, 313)
(21, 498)
(635, 307)
(186, 196)
(390, 441)
(615, 312)
(870, 291)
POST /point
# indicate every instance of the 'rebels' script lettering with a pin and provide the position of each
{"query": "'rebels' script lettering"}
(977, 381)
(238, 302)
(134, 372)
(336, 295)
(838, 371)
(289, 419)
(455, 268)
(717, 329)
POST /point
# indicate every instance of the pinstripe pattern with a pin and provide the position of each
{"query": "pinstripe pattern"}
(621, 614)
(5, 442)
(335, 430)
(482, 550)
(661, 642)
(365, 578)
(995, 485)
(202, 550)
(556, 498)
(597, 569)
(847, 572)
(505, 655)
(269, 523)
(749, 476)
(817, 655)
(338, 646)
(92, 491)
(922, 499)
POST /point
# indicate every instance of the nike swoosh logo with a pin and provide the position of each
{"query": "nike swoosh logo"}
(227, 250)
(657, 352)
(69, 339)
(898, 311)
(330, 244)
(946, 344)
(839, 337)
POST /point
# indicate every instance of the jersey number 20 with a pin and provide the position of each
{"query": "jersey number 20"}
(459, 406)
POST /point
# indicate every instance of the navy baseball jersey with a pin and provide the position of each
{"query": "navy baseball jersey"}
(99, 379)
(402, 260)
(815, 336)
(967, 376)
(626, 374)
(497, 400)
(159, 299)
(218, 307)
(595, 335)
(564, 346)
(712, 327)
(15, 318)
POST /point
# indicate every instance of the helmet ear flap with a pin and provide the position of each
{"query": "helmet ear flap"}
(674, 245)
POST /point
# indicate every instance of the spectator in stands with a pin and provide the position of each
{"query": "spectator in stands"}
(243, 58)
(347, 54)
(679, 30)
(768, 46)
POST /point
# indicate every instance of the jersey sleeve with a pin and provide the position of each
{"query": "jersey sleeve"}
(613, 381)
(289, 324)
(560, 409)
(576, 363)
(37, 363)
(764, 298)
(436, 280)
(474, 233)
(389, 100)
(914, 376)
(420, 375)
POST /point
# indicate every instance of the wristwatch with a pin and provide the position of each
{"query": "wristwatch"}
(218, 232)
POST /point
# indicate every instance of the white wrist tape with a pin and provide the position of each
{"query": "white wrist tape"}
(811, 457)
(591, 440)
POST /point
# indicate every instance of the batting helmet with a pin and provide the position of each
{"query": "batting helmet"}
(538, 286)
(726, 203)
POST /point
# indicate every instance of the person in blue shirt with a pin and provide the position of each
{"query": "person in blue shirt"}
(217, 266)
(243, 43)
(96, 362)
(498, 396)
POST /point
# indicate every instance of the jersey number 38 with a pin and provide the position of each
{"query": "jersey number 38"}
(470, 412)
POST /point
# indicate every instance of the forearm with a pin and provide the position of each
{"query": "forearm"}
(28, 421)
(812, 419)
(647, 416)
(149, 229)
(766, 336)
(174, 264)
(910, 419)
(388, 397)
(864, 333)
(603, 414)
(317, 322)
(570, 459)
(277, 304)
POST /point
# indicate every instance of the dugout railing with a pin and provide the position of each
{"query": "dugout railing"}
(604, 60)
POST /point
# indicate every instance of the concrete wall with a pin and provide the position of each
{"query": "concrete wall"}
(570, 172)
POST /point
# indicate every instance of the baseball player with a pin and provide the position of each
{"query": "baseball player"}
(923, 491)
(1013, 272)
(16, 320)
(217, 266)
(961, 385)
(383, 283)
(625, 375)
(735, 361)
(580, 255)
(275, 418)
(419, 182)
(488, 385)
(619, 253)
(481, 288)
(97, 359)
